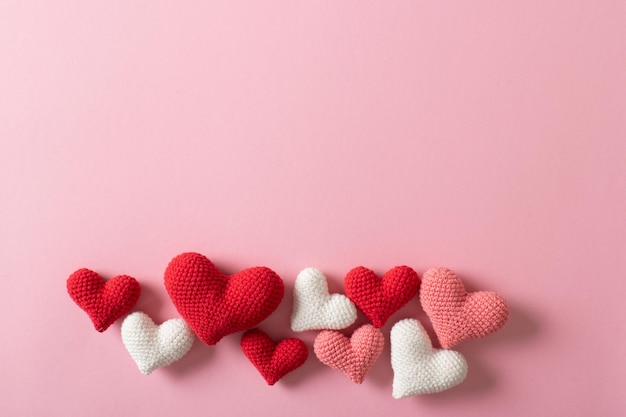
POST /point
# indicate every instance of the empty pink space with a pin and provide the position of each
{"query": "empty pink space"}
(486, 137)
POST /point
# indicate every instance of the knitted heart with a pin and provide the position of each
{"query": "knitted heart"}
(104, 302)
(354, 356)
(152, 346)
(457, 315)
(379, 298)
(215, 305)
(273, 360)
(418, 368)
(314, 308)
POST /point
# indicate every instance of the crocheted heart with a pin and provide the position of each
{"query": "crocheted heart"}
(104, 302)
(152, 346)
(314, 308)
(379, 298)
(456, 314)
(418, 368)
(273, 360)
(215, 305)
(354, 356)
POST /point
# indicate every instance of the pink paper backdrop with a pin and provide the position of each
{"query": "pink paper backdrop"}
(488, 137)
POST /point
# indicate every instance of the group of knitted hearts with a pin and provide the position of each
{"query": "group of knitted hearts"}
(213, 305)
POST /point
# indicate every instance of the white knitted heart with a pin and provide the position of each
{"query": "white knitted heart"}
(418, 368)
(152, 346)
(314, 308)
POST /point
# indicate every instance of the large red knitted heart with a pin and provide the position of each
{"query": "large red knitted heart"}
(378, 298)
(456, 314)
(104, 302)
(273, 360)
(215, 305)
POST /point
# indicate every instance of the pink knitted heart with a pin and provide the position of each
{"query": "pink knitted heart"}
(354, 356)
(456, 314)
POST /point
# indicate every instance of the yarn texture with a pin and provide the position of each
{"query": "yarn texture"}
(418, 367)
(378, 298)
(273, 360)
(353, 356)
(104, 301)
(215, 305)
(152, 346)
(456, 314)
(314, 308)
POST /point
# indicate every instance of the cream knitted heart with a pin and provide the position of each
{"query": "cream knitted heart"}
(152, 346)
(314, 308)
(418, 368)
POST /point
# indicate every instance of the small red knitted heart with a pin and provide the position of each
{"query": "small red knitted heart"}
(273, 360)
(104, 302)
(215, 305)
(456, 314)
(378, 298)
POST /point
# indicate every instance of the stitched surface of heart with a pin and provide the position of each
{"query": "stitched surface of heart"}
(456, 314)
(215, 305)
(418, 368)
(273, 360)
(104, 301)
(378, 298)
(353, 356)
(152, 346)
(314, 308)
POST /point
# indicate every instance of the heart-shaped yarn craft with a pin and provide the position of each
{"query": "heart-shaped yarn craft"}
(215, 305)
(273, 360)
(378, 298)
(104, 301)
(418, 368)
(152, 346)
(353, 356)
(314, 308)
(456, 314)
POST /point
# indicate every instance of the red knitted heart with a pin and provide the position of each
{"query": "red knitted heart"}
(104, 302)
(273, 360)
(456, 314)
(379, 298)
(215, 305)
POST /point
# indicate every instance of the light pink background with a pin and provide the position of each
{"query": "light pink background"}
(488, 137)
